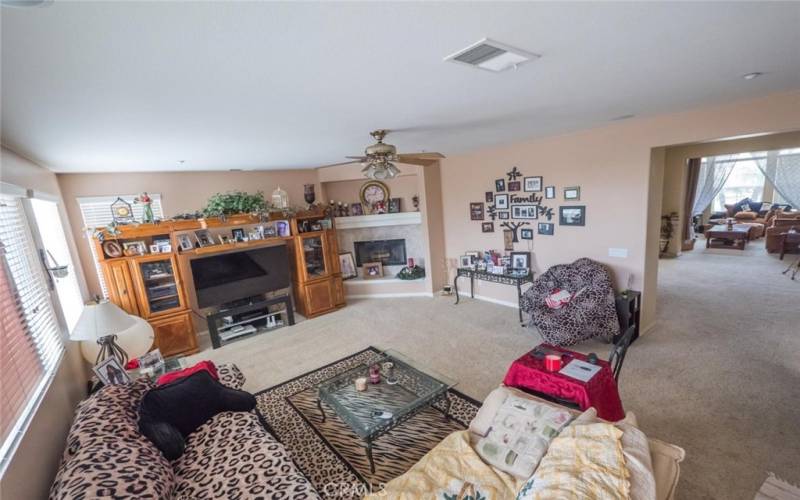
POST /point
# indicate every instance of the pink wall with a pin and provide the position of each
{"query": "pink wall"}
(612, 164)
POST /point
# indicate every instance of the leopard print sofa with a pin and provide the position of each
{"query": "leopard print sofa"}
(230, 456)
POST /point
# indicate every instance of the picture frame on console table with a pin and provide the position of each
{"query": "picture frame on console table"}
(520, 260)
(203, 238)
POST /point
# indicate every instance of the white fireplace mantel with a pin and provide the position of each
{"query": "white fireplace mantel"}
(378, 220)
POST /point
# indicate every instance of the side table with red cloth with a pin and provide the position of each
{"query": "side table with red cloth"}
(600, 391)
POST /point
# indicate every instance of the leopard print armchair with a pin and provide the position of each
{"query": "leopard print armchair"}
(230, 456)
(590, 314)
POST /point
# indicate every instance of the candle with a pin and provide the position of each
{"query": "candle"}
(361, 384)
(552, 362)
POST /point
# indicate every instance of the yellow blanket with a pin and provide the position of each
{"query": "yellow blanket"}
(452, 470)
(584, 461)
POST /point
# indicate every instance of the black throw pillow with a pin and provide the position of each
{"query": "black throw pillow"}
(168, 414)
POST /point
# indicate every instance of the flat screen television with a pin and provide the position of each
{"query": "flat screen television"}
(223, 278)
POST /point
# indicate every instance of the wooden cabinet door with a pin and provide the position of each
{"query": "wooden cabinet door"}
(120, 285)
(158, 285)
(174, 334)
(318, 297)
(338, 291)
(333, 251)
(313, 251)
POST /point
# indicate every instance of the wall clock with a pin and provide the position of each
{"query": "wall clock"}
(373, 192)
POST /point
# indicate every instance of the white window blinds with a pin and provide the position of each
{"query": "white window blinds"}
(29, 331)
(96, 212)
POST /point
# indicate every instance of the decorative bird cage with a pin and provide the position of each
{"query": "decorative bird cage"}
(280, 199)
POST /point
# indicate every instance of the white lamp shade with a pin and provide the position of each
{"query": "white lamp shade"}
(99, 320)
(135, 341)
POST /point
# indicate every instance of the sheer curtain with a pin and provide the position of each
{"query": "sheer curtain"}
(714, 171)
(785, 177)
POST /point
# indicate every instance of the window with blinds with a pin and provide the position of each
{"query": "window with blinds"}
(29, 330)
(96, 212)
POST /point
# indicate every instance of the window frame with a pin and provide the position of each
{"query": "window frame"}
(28, 411)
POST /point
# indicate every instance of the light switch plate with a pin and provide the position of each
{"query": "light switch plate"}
(618, 252)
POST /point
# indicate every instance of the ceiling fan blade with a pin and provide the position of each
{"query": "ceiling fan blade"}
(359, 158)
(422, 156)
(337, 164)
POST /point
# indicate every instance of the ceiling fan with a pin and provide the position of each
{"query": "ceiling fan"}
(377, 159)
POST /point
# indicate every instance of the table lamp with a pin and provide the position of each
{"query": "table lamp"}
(101, 322)
(136, 341)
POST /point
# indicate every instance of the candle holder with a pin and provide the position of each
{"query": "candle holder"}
(388, 369)
(375, 374)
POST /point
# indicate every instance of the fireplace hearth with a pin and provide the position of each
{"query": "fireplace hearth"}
(387, 252)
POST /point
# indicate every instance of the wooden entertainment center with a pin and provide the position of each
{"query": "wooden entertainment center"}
(159, 288)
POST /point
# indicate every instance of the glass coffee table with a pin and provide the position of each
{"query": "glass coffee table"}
(404, 390)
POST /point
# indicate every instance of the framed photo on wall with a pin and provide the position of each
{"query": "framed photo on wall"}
(533, 183)
(489, 196)
(500, 185)
(524, 211)
(546, 228)
(526, 234)
(514, 185)
(476, 211)
(574, 215)
(550, 192)
(572, 193)
(487, 227)
(502, 215)
(501, 202)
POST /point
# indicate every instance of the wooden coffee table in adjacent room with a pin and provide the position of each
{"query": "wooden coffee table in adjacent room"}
(722, 237)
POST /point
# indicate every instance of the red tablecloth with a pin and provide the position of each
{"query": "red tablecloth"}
(600, 391)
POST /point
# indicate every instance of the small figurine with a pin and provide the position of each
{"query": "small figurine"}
(147, 202)
(415, 200)
(346, 210)
(379, 207)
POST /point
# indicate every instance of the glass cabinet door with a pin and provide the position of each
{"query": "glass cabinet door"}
(160, 285)
(314, 256)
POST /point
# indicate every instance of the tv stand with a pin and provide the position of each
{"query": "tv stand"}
(248, 317)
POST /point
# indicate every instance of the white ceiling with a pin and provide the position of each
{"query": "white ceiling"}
(139, 86)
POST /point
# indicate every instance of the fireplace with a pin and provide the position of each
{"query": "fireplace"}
(387, 252)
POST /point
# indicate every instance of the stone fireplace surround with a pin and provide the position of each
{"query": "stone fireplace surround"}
(411, 233)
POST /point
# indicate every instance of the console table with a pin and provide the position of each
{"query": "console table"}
(503, 279)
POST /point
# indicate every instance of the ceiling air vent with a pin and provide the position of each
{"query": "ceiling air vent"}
(491, 56)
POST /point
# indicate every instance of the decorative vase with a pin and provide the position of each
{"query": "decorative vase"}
(309, 195)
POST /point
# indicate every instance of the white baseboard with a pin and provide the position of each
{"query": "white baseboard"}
(388, 295)
(493, 301)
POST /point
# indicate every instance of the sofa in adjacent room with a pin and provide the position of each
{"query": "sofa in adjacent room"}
(230, 456)
(781, 224)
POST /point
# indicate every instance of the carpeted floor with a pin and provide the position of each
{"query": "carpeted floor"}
(330, 454)
(719, 375)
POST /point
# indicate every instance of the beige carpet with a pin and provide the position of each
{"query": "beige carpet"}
(719, 375)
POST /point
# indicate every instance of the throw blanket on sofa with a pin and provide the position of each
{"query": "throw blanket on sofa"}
(592, 313)
(452, 470)
(584, 461)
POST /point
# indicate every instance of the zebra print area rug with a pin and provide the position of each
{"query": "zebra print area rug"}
(330, 454)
